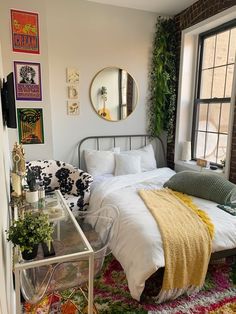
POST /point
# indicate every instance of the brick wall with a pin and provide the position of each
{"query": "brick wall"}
(196, 13)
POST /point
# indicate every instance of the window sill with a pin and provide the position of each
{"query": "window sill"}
(181, 165)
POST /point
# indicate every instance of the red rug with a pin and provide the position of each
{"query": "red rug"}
(111, 295)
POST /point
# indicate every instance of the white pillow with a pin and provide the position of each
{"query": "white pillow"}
(148, 161)
(100, 162)
(127, 164)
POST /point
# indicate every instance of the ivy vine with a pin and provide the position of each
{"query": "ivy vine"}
(162, 102)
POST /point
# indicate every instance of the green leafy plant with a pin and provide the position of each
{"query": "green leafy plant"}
(29, 230)
(162, 102)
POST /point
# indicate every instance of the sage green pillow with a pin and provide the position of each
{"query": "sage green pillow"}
(207, 185)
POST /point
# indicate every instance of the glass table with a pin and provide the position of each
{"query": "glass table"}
(73, 255)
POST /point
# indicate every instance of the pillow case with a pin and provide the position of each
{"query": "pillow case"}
(210, 186)
(100, 162)
(127, 164)
(148, 161)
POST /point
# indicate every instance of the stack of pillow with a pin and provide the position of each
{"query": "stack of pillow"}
(118, 163)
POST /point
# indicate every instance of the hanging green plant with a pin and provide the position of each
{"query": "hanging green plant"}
(162, 102)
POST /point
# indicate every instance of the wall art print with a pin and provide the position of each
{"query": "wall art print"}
(27, 80)
(73, 92)
(72, 75)
(30, 125)
(25, 31)
(72, 108)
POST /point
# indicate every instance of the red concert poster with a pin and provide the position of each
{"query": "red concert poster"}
(25, 31)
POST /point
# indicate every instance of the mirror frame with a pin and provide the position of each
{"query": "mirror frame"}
(90, 94)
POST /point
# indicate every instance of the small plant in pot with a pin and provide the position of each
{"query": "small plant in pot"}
(31, 194)
(28, 231)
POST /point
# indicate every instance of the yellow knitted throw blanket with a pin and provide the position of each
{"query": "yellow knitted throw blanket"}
(187, 238)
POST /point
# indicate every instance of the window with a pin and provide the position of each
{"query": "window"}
(216, 62)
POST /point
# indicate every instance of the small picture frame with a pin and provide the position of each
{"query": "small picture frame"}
(30, 125)
(73, 107)
(72, 75)
(73, 92)
(27, 80)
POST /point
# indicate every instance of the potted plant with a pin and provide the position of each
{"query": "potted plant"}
(28, 231)
(31, 195)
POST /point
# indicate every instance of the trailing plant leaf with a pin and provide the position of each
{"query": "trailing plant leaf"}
(162, 102)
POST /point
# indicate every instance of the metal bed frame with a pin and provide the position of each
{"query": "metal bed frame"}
(147, 139)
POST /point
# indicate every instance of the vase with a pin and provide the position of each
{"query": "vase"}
(26, 255)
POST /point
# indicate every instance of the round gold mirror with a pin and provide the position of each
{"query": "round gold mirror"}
(113, 94)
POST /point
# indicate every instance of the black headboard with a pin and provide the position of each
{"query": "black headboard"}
(114, 140)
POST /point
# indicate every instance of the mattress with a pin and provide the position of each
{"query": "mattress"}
(136, 240)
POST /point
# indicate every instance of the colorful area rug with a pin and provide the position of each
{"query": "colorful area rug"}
(111, 295)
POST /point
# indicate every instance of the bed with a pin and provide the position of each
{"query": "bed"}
(136, 240)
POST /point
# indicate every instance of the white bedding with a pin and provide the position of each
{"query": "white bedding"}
(136, 241)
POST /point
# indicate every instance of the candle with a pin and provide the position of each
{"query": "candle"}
(186, 151)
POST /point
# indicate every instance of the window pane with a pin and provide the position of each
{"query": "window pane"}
(208, 52)
(222, 148)
(229, 80)
(224, 120)
(222, 42)
(211, 147)
(206, 82)
(213, 117)
(200, 145)
(202, 117)
(216, 73)
(232, 47)
(219, 82)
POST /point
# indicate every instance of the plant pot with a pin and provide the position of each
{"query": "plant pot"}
(32, 198)
(26, 255)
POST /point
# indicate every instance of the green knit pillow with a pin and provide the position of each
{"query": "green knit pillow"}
(207, 185)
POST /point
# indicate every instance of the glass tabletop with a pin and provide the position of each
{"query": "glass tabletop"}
(67, 238)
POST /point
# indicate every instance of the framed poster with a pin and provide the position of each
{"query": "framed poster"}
(30, 125)
(27, 80)
(25, 31)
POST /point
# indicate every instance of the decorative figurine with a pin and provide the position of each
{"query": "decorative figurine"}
(18, 169)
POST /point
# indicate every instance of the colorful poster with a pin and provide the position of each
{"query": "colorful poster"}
(25, 31)
(27, 80)
(30, 125)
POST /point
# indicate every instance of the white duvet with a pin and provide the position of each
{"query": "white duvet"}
(136, 241)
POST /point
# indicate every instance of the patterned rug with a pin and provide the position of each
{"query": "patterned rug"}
(111, 295)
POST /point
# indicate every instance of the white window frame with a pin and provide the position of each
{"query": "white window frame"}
(187, 75)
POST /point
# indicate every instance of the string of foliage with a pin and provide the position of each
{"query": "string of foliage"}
(162, 102)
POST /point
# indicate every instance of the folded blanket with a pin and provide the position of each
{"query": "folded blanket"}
(187, 237)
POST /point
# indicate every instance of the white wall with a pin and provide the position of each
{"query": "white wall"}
(6, 288)
(88, 36)
(39, 150)
(91, 36)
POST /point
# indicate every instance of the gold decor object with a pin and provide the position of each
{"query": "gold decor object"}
(201, 162)
(18, 169)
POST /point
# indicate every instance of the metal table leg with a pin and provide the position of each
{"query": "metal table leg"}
(90, 286)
